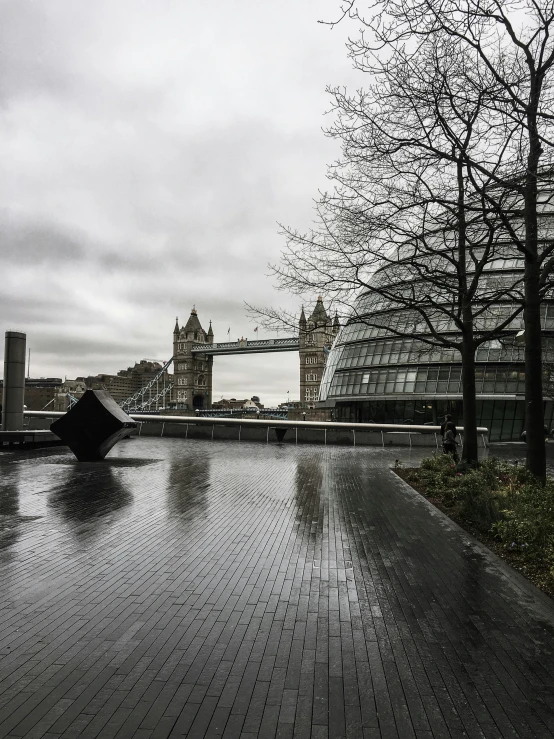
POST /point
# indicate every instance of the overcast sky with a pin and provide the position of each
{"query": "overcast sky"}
(149, 149)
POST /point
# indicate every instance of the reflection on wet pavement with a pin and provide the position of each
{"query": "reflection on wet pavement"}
(206, 589)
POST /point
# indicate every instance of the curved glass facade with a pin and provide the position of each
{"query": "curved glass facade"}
(379, 368)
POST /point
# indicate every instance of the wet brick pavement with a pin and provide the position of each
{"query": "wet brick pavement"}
(212, 589)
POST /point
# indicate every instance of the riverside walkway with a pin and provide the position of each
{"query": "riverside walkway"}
(210, 589)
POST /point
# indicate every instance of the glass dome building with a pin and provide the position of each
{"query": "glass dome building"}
(376, 375)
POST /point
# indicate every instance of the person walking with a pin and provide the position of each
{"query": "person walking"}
(448, 423)
(449, 433)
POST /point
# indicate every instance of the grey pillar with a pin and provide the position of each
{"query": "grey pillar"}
(14, 381)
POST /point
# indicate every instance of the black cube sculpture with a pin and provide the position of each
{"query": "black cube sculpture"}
(93, 426)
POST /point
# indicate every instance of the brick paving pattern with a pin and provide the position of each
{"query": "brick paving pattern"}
(212, 589)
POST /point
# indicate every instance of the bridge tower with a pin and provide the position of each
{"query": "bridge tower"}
(316, 335)
(192, 384)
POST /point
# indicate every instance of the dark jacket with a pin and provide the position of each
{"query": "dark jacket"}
(448, 425)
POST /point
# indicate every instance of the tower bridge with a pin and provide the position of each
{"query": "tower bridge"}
(194, 349)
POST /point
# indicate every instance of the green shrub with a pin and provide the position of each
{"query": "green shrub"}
(527, 516)
(437, 473)
(477, 493)
(500, 499)
(442, 463)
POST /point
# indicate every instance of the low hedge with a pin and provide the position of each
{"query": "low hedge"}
(501, 501)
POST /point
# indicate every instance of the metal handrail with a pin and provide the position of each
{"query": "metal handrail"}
(337, 425)
(262, 422)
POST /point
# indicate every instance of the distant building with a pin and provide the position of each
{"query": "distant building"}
(233, 403)
(317, 334)
(252, 404)
(126, 382)
(291, 404)
(68, 390)
(192, 374)
(39, 392)
(117, 387)
(383, 368)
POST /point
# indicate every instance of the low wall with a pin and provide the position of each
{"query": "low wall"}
(37, 423)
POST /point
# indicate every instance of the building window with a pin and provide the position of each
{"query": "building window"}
(181, 381)
(311, 359)
(181, 347)
(311, 377)
(182, 395)
(181, 366)
(311, 393)
(310, 339)
(201, 380)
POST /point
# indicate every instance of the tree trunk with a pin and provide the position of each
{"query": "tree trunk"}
(470, 447)
(469, 450)
(534, 411)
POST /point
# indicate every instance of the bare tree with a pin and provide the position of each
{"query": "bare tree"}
(513, 42)
(411, 222)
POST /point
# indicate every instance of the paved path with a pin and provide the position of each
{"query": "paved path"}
(209, 589)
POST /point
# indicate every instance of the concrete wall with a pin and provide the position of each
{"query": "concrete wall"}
(37, 423)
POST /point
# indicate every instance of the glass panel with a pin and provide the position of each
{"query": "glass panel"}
(400, 380)
(488, 383)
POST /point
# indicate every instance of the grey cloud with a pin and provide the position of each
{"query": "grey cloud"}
(34, 243)
(25, 310)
